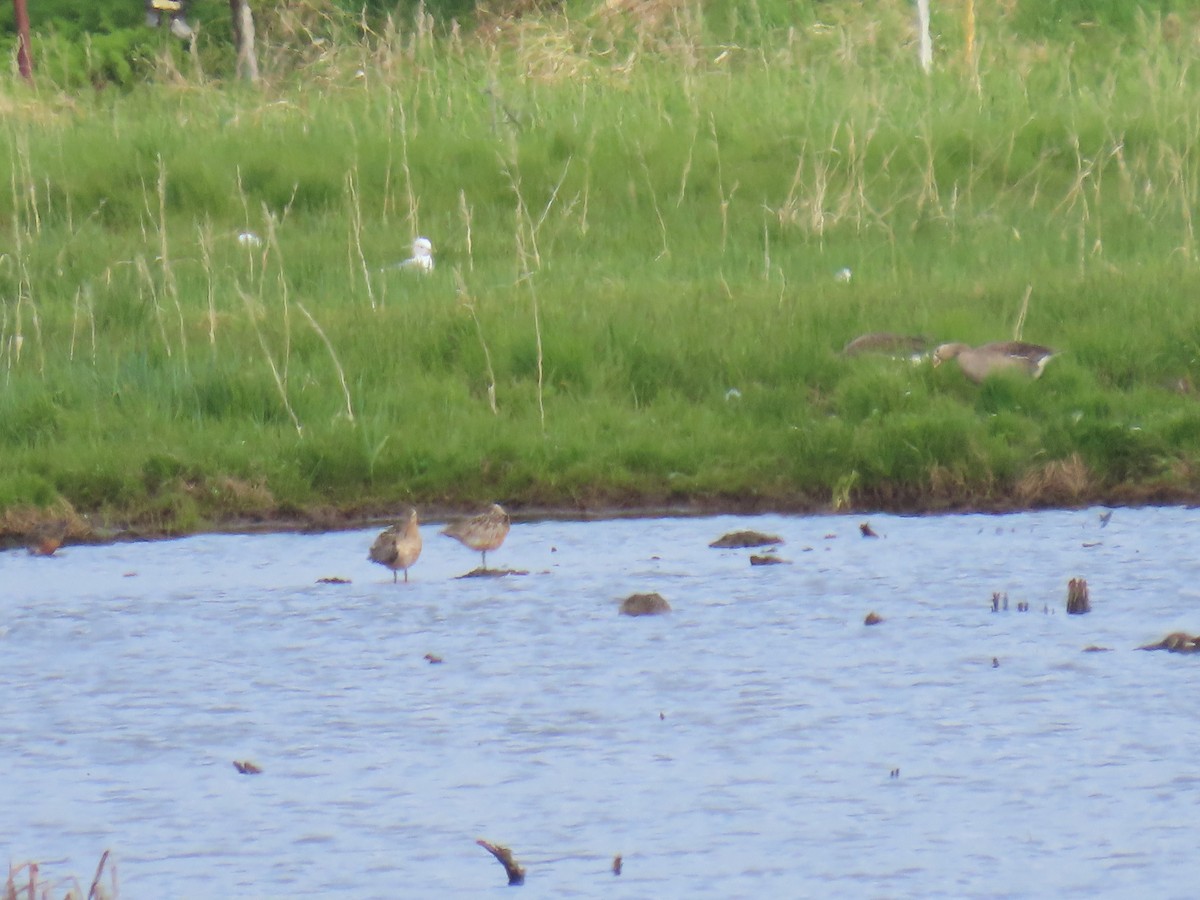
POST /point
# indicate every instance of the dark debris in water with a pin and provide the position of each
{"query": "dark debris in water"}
(333, 580)
(481, 572)
(245, 767)
(515, 873)
(739, 540)
(768, 559)
(1176, 642)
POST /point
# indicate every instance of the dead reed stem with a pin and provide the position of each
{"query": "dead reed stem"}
(1021, 316)
(24, 211)
(332, 355)
(280, 383)
(356, 231)
(168, 275)
(464, 297)
(464, 210)
(205, 239)
(726, 199)
(414, 223)
(272, 246)
(147, 282)
(528, 262)
(662, 225)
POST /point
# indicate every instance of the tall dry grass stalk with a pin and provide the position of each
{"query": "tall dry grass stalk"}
(528, 262)
(204, 237)
(726, 199)
(285, 308)
(26, 225)
(465, 300)
(150, 289)
(356, 228)
(464, 211)
(658, 215)
(83, 292)
(170, 287)
(414, 217)
(280, 381)
(341, 373)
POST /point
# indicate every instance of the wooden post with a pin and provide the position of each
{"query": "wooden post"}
(1077, 597)
(926, 43)
(24, 59)
(243, 36)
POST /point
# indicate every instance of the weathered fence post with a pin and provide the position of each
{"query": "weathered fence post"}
(926, 43)
(24, 58)
(243, 35)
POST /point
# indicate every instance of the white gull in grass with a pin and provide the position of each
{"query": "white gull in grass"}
(421, 259)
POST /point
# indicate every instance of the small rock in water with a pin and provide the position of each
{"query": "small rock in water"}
(644, 605)
(245, 767)
(867, 530)
(873, 618)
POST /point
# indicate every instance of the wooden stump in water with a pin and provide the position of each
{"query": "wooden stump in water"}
(1077, 597)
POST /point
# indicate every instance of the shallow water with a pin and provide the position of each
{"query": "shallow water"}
(741, 746)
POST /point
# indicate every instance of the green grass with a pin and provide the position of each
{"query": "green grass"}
(663, 226)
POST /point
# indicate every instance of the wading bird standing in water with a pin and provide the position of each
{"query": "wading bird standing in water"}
(484, 532)
(399, 546)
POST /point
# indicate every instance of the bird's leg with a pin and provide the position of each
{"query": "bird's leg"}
(394, 576)
(484, 553)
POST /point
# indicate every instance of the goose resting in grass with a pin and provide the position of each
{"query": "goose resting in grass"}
(398, 547)
(977, 363)
(484, 532)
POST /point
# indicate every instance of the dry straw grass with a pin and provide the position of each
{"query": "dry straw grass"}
(23, 884)
(19, 523)
(1063, 482)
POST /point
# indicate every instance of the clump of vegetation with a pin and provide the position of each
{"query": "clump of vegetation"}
(654, 228)
(27, 882)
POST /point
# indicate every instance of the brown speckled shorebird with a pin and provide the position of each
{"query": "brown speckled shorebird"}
(484, 532)
(977, 363)
(399, 546)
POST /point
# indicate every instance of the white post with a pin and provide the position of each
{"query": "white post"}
(243, 29)
(926, 45)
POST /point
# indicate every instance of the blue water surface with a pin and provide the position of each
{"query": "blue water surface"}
(742, 746)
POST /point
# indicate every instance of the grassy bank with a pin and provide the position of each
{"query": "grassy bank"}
(637, 219)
